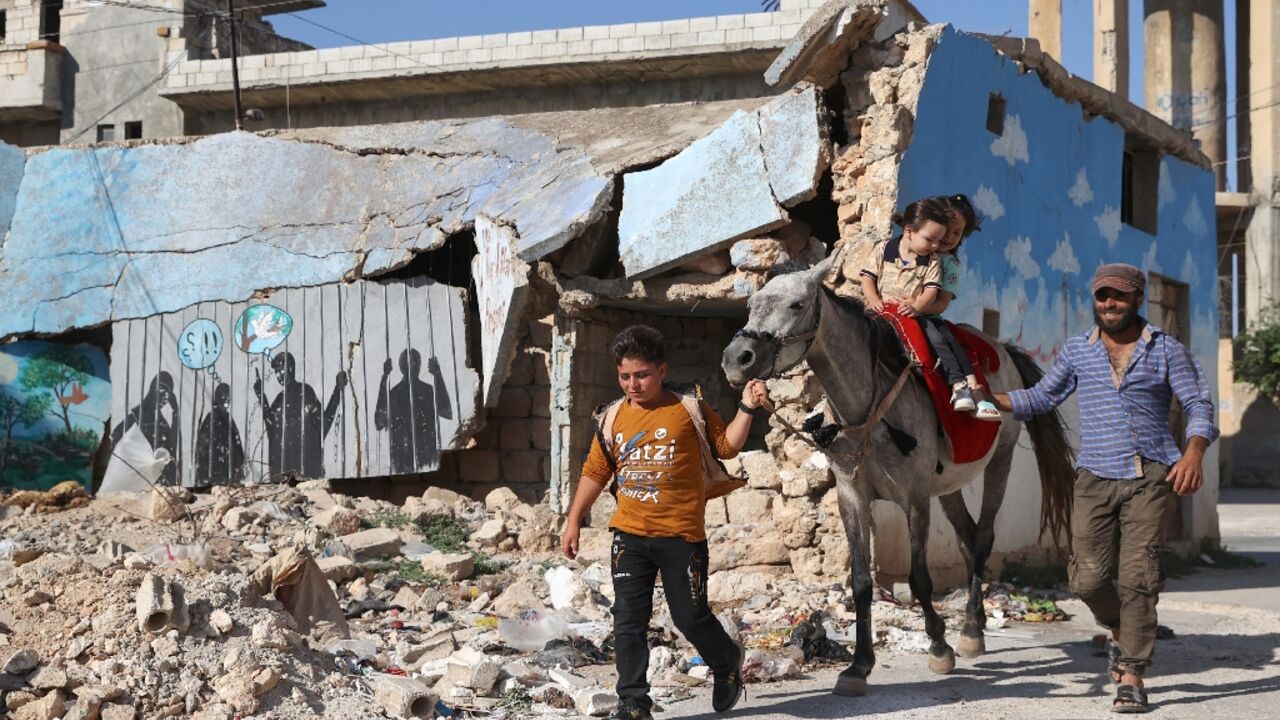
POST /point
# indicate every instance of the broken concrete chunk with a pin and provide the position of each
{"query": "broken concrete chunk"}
(404, 697)
(21, 662)
(501, 499)
(116, 711)
(338, 520)
(492, 532)
(820, 50)
(50, 707)
(374, 542)
(337, 568)
(221, 621)
(595, 702)
(793, 139)
(452, 566)
(49, 677)
(469, 668)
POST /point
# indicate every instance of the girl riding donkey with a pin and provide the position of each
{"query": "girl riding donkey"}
(917, 271)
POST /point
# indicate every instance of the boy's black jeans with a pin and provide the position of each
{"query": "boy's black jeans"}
(636, 562)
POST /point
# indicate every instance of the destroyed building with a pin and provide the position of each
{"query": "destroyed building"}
(430, 302)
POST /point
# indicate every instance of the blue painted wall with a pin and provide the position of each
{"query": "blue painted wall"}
(1050, 191)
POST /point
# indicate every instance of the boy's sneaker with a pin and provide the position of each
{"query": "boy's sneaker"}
(631, 710)
(728, 690)
(962, 398)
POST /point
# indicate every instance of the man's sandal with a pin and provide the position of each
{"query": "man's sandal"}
(1130, 699)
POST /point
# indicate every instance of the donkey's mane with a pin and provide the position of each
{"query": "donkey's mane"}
(892, 353)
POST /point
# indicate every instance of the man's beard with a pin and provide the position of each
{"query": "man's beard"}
(1126, 320)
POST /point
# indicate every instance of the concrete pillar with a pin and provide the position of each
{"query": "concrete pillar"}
(1262, 237)
(1111, 45)
(1244, 177)
(1044, 23)
(1185, 78)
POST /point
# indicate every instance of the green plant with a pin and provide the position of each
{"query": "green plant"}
(486, 565)
(385, 518)
(1258, 354)
(408, 570)
(444, 532)
(516, 700)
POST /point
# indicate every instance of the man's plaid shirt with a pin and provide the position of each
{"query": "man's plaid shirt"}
(1121, 426)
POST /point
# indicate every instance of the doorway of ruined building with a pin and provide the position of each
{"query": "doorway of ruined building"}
(694, 343)
(1169, 307)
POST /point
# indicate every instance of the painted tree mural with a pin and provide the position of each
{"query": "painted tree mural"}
(16, 411)
(63, 372)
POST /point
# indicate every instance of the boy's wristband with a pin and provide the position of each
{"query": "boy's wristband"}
(748, 410)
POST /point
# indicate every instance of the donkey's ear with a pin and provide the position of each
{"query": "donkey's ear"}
(820, 271)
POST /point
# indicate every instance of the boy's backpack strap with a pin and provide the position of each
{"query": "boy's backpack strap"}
(719, 481)
(605, 415)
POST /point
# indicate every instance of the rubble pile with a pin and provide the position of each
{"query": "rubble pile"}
(289, 602)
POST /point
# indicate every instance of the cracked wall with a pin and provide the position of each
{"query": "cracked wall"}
(355, 380)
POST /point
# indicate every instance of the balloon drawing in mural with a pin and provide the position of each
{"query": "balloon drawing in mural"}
(409, 411)
(261, 328)
(219, 452)
(161, 429)
(200, 344)
(295, 427)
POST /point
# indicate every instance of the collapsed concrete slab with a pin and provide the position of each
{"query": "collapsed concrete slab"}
(502, 291)
(94, 235)
(820, 50)
(722, 187)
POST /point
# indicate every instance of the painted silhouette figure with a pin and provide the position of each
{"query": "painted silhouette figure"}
(409, 411)
(159, 430)
(219, 452)
(296, 426)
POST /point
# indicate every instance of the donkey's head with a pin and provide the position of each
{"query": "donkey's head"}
(782, 322)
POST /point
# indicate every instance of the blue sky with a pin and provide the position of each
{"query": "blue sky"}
(377, 21)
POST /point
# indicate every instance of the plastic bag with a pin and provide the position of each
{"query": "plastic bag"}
(416, 550)
(167, 554)
(532, 629)
(135, 465)
(269, 508)
(761, 665)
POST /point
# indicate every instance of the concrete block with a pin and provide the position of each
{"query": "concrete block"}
(471, 669)
(479, 466)
(337, 568)
(623, 30)
(405, 697)
(339, 520)
(452, 566)
(373, 542)
(160, 606)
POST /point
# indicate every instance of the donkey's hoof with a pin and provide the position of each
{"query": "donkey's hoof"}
(971, 647)
(942, 664)
(850, 684)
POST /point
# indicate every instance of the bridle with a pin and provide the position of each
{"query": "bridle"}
(782, 342)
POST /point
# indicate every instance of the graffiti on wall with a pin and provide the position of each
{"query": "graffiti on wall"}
(54, 403)
(357, 380)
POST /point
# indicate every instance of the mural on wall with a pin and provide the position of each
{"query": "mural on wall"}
(54, 404)
(356, 380)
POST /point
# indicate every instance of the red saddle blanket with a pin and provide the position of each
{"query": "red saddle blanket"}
(970, 437)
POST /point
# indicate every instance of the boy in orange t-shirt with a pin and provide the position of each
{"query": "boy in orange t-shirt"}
(656, 456)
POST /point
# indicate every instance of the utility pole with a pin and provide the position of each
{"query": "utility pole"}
(235, 70)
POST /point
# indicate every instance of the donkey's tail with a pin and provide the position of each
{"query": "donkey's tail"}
(1054, 457)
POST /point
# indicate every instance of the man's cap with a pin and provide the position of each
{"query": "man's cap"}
(1119, 276)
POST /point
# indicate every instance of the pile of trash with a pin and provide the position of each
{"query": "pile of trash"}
(302, 602)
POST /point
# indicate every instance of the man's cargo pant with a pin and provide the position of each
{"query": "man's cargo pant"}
(1117, 531)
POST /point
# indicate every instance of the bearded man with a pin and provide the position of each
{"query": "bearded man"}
(1129, 468)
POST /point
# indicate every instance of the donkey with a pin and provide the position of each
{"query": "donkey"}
(880, 404)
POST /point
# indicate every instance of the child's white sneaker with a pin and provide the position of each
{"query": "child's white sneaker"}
(962, 398)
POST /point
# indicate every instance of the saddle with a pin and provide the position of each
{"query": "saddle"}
(970, 438)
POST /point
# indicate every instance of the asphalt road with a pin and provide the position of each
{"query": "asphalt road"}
(1223, 663)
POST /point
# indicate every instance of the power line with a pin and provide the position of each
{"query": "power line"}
(357, 40)
(1207, 123)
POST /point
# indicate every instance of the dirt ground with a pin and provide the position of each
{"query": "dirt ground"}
(1223, 663)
